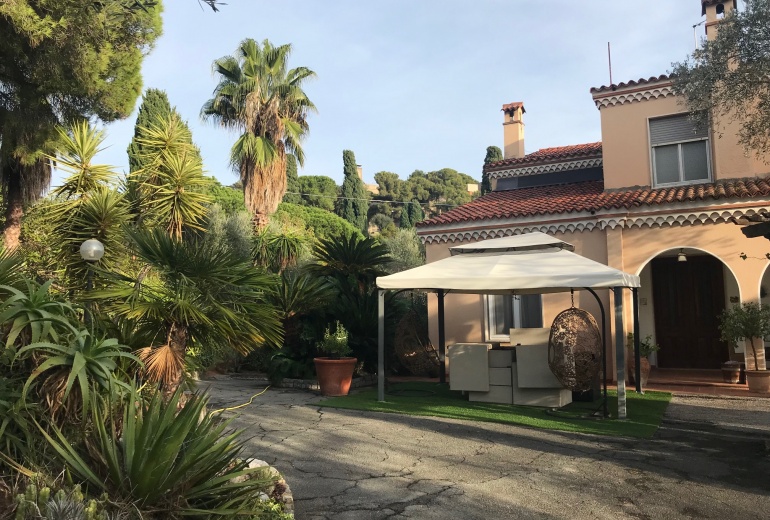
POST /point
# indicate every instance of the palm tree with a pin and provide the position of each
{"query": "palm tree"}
(186, 292)
(260, 97)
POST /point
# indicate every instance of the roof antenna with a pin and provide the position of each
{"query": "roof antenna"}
(609, 60)
(695, 34)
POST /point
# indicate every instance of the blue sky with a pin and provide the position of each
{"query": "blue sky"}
(418, 84)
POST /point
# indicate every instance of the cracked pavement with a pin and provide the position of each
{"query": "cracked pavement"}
(343, 464)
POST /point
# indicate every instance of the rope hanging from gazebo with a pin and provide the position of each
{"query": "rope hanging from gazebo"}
(575, 349)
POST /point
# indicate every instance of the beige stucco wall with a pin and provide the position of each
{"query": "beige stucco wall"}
(625, 141)
(626, 144)
(630, 250)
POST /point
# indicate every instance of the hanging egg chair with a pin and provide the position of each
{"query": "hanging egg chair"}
(575, 349)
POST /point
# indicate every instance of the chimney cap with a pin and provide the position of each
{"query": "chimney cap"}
(511, 107)
(706, 3)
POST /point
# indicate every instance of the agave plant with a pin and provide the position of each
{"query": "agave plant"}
(173, 462)
(30, 316)
(81, 356)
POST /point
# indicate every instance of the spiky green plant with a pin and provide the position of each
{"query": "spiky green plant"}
(169, 190)
(169, 460)
(81, 356)
(187, 291)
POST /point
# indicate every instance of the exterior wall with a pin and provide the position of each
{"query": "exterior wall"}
(628, 249)
(626, 144)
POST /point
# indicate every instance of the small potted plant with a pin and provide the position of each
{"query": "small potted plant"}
(749, 321)
(335, 371)
(646, 347)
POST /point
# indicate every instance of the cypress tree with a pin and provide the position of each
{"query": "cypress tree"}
(353, 202)
(494, 154)
(415, 213)
(292, 181)
(405, 222)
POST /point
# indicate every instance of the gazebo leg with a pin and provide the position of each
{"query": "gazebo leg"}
(620, 352)
(381, 345)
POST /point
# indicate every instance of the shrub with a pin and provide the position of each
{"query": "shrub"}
(173, 464)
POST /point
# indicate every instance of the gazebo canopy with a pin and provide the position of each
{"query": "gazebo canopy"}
(530, 263)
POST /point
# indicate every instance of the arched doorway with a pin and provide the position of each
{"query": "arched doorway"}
(685, 290)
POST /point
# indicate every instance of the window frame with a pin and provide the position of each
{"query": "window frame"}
(680, 182)
(491, 319)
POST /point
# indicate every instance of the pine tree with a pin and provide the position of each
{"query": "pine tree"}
(494, 154)
(292, 195)
(353, 203)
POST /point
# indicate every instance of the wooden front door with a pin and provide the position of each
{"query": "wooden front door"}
(688, 298)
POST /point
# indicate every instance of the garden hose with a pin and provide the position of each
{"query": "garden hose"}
(240, 405)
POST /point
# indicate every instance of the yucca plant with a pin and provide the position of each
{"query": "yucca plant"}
(86, 205)
(169, 191)
(170, 461)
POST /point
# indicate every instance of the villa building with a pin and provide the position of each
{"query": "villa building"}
(656, 197)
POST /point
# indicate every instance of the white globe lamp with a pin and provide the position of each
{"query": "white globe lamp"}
(92, 250)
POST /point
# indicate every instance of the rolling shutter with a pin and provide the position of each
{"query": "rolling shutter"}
(674, 130)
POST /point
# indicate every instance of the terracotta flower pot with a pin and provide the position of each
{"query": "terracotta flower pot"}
(759, 381)
(334, 375)
(731, 372)
(644, 366)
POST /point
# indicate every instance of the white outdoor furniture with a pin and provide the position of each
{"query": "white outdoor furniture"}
(511, 375)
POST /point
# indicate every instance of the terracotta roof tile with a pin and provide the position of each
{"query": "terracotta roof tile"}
(591, 196)
(514, 106)
(632, 83)
(546, 155)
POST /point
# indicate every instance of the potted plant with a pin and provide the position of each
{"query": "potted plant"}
(749, 321)
(646, 347)
(335, 372)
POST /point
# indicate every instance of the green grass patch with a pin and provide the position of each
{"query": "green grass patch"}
(644, 411)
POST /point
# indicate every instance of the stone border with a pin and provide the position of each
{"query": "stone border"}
(300, 384)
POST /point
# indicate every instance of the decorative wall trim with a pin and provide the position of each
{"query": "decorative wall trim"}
(624, 220)
(631, 97)
(546, 168)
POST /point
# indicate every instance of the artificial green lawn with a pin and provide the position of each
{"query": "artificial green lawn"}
(432, 399)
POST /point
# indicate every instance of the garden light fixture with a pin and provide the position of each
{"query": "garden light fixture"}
(92, 250)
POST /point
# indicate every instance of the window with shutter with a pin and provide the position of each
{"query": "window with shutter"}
(680, 151)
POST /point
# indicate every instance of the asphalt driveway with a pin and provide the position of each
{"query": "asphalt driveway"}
(705, 462)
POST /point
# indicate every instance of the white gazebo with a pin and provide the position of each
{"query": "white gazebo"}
(531, 263)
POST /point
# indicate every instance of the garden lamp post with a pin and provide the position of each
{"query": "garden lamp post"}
(91, 251)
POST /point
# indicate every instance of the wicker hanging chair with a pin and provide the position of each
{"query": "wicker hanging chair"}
(413, 346)
(575, 349)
